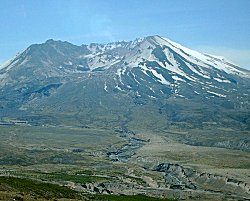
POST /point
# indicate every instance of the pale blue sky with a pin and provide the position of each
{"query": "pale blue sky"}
(219, 27)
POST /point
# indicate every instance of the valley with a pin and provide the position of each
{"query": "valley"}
(102, 161)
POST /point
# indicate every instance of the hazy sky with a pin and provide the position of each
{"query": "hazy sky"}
(220, 27)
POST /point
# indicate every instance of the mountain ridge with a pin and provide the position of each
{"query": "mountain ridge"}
(128, 44)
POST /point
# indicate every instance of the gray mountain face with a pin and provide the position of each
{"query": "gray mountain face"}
(148, 83)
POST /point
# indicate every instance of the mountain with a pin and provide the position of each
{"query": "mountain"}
(149, 83)
(148, 116)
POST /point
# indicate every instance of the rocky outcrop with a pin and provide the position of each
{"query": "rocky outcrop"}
(184, 178)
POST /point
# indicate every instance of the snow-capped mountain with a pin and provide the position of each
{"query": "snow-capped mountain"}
(58, 77)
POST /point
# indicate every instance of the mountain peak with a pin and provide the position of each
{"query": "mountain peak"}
(57, 42)
(50, 41)
(154, 37)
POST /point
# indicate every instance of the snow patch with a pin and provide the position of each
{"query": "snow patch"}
(117, 87)
(176, 78)
(138, 94)
(220, 80)
(160, 77)
(135, 79)
(69, 63)
(105, 87)
(152, 97)
(196, 71)
(119, 73)
(180, 95)
(216, 94)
